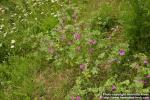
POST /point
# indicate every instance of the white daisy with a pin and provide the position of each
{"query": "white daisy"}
(13, 41)
(12, 46)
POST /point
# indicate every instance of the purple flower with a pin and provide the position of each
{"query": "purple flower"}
(145, 62)
(113, 88)
(121, 52)
(77, 36)
(148, 76)
(143, 81)
(72, 98)
(78, 98)
(92, 42)
(82, 66)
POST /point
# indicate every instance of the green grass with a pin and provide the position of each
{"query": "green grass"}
(43, 63)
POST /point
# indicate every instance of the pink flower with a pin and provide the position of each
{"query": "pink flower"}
(121, 52)
(113, 88)
(148, 76)
(77, 36)
(72, 98)
(78, 98)
(82, 66)
(92, 42)
(145, 62)
(143, 81)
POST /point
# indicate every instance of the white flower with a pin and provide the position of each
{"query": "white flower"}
(3, 11)
(19, 17)
(13, 41)
(15, 14)
(42, 13)
(52, 1)
(55, 15)
(12, 16)
(52, 13)
(5, 34)
(12, 46)
(25, 14)
(11, 31)
(30, 13)
(2, 26)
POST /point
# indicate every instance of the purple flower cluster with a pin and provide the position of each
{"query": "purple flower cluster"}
(122, 52)
(82, 66)
(143, 81)
(92, 42)
(77, 98)
(145, 62)
(113, 88)
(77, 36)
(148, 76)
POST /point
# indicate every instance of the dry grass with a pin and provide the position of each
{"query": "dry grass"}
(55, 84)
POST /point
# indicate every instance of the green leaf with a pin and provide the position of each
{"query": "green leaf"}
(102, 55)
(139, 84)
(94, 70)
(126, 82)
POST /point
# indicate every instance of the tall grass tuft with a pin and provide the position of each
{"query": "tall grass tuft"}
(137, 24)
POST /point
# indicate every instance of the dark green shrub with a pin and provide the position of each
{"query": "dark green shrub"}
(139, 27)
